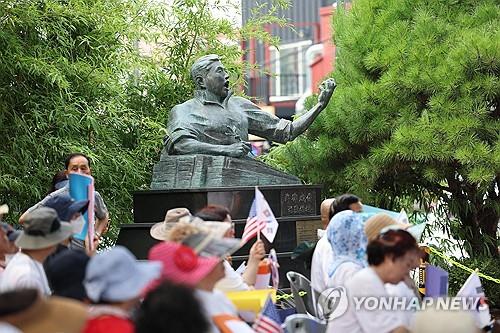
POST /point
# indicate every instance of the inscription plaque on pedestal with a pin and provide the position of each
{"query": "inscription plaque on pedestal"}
(298, 202)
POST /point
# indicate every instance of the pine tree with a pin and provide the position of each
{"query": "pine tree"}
(416, 115)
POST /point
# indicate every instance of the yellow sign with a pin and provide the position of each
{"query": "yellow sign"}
(251, 300)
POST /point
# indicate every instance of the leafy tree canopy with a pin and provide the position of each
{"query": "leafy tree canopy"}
(99, 77)
(416, 113)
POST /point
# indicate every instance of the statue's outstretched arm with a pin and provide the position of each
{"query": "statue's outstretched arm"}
(191, 146)
(300, 124)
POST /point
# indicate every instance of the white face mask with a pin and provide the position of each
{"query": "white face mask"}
(77, 224)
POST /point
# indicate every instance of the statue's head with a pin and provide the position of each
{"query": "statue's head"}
(208, 73)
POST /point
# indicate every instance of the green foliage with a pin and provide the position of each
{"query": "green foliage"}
(61, 70)
(416, 113)
(73, 79)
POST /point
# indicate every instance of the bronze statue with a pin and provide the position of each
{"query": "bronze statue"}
(215, 122)
(207, 146)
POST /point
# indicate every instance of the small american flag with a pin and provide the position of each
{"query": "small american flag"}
(260, 219)
(269, 320)
(253, 226)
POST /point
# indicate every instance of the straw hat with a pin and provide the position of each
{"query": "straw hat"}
(325, 210)
(377, 222)
(179, 231)
(208, 244)
(161, 230)
(47, 315)
(216, 228)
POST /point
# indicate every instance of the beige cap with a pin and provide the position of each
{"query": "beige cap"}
(377, 222)
(4, 209)
(161, 230)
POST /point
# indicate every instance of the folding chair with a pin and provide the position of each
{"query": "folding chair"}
(303, 323)
(304, 304)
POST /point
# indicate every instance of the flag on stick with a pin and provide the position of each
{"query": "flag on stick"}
(260, 219)
(473, 288)
(269, 320)
(252, 228)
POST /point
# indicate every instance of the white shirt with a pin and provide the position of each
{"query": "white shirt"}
(343, 273)
(321, 262)
(232, 281)
(7, 328)
(24, 272)
(402, 290)
(365, 283)
(221, 313)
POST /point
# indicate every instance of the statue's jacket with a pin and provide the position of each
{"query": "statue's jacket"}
(223, 124)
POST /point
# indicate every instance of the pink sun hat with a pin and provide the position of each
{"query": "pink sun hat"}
(181, 264)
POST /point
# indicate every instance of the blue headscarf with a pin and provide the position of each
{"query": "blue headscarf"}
(347, 239)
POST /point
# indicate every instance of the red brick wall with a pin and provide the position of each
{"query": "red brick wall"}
(326, 63)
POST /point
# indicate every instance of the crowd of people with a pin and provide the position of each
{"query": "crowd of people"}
(373, 257)
(51, 282)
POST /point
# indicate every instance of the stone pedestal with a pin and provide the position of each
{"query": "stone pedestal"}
(206, 171)
(296, 208)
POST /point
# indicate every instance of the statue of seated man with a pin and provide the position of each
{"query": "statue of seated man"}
(215, 122)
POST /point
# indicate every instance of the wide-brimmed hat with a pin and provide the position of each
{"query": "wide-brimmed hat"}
(378, 222)
(48, 315)
(115, 275)
(43, 228)
(66, 206)
(181, 264)
(182, 230)
(209, 244)
(161, 230)
(215, 228)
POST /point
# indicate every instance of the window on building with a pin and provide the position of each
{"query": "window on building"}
(288, 65)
